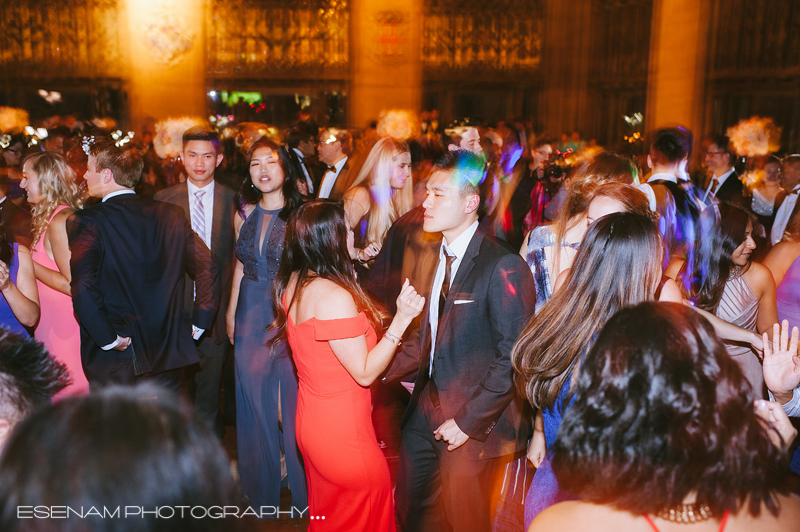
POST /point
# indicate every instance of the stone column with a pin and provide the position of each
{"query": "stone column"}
(677, 73)
(166, 58)
(385, 58)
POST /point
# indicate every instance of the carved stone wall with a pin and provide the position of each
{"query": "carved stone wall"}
(754, 65)
(60, 39)
(298, 39)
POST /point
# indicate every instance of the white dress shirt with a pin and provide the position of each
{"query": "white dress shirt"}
(720, 181)
(118, 193)
(792, 408)
(208, 206)
(458, 248)
(783, 214)
(309, 181)
(329, 179)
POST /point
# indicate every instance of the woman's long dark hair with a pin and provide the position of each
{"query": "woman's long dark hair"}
(316, 246)
(618, 264)
(722, 230)
(661, 411)
(250, 195)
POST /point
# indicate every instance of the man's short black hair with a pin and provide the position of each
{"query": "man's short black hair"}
(671, 144)
(469, 174)
(29, 376)
(202, 134)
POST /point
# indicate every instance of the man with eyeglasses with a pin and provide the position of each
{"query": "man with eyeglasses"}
(334, 146)
(724, 184)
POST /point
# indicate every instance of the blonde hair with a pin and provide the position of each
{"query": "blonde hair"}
(57, 186)
(385, 204)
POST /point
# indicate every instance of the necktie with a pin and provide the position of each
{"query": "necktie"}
(714, 185)
(199, 215)
(446, 283)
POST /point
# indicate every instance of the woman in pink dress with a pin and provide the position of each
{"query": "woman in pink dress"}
(53, 192)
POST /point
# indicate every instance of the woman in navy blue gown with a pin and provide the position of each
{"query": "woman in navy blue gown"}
(266, 381)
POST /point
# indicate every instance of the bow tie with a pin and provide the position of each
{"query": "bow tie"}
(331, 169)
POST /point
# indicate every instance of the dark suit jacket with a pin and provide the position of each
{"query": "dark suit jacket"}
(472, 368)
(130, 256)
(222, 242)
(18, 223)
(732, 191)
(341, 184)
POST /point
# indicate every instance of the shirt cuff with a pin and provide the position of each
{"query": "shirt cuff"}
(197, 332)
(792, 408)
(112, 345)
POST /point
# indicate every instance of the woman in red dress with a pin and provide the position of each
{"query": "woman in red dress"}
(331, 327)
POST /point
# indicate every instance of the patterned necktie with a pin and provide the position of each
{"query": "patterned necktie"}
(446, 283)
(199, 216)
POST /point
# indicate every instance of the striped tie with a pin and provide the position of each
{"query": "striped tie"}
(199, 216)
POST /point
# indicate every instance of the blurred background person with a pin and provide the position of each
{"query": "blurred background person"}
(723, 180)
(767, 191)
(723, 280)
(52, 189)
(786, 205)
(12, 160)
(782, 262)
(381, 193)
(19, 304)
(122, 447)
(266, 384)
(334, 146)
(661, 435)
(29, 377)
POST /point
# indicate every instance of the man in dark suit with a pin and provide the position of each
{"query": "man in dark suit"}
(130, 257)
(464, 420)
(786, 205)
(334, 147)
(16, 219)
(208, 206)
(724, 183)
(303, 141)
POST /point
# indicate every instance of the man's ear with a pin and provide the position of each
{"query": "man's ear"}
(5, 431)
(453, 147)
(649, 162)
(108, 176)
(219, 159)
(473, 202)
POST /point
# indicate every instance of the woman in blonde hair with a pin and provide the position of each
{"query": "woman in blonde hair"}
(53, 192)
(381, 193)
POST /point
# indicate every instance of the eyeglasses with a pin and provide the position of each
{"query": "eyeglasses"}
(715, 152)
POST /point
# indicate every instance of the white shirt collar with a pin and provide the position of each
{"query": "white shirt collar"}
(662, 177)
(459, 246)
(299, 154)
(194, 188)
(340, 165)
(118, 193)
(3, 199)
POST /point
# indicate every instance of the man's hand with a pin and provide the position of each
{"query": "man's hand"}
(449, 432)
(781, 363)
(775, 421)
(123, 344)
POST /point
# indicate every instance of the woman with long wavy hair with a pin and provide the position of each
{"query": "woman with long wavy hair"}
(381, 193)
(52, 190)
(332, 327)
(618, 264)
(266, 385)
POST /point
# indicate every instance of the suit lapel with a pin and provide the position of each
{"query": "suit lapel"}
(464, 269)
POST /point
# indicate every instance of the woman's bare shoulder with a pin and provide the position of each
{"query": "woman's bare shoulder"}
(326, 300)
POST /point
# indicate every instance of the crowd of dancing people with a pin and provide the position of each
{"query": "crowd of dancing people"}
(602, 342)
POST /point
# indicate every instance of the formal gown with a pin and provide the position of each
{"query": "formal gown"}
(7, 317)
(739, 306)
(349, 485)
(58, 328)
(541, 238)
(264, 374)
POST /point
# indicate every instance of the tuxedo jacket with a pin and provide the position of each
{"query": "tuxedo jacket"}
(130, 257)
(491, 298)
(222, 242)
(732, 191)
(341, 184)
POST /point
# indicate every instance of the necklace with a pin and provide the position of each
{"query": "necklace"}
(736, 272)
(686, 513)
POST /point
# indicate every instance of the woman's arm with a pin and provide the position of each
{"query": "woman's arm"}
(238, 273)
(365, 366)
(523, 251)
(56, 235)
(538, 446)
(22, 297)
(356, 205)
(763, 285)
(780, 258)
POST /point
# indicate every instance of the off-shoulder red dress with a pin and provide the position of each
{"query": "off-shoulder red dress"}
(349, 486)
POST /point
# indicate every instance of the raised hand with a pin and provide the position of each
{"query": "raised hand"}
(781, 363)
(409, 302)
(775, 421)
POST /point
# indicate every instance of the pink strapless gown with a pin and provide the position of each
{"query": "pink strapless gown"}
(58, 329)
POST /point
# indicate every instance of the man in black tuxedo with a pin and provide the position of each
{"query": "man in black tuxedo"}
(302, 139)
(208, 206)
(464, 421)
(334, 147)
(724, 183)
(17, 220)
(130, 257)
